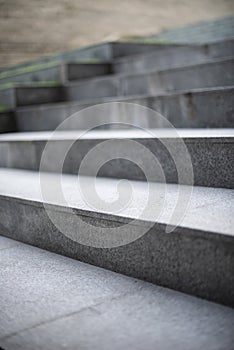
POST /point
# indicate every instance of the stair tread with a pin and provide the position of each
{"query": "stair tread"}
(197, 156)
(209, 209)
(55, 294)
(121, 134)
(228, 42)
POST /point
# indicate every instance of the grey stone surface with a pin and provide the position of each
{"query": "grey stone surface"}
(30, 95)
(7, 97)
(76, 71)
(197, 258)
(6, 243)
(92, 308)
(210, 151)
(224, 47)
(168, 57)
(121, 49)
(7, 122)
(44, 74)
(60, 73)
(213, 74)
(213, 108)
(38, 95)
(97, 87)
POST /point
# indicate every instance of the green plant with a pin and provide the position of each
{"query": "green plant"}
(4, 108)
(33, 84)
(28, 69)
(140, 40)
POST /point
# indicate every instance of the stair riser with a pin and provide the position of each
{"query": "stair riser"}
(186, 260)
(81, 71)
(24, 96)
(211, 109)
(7, 122)
(201, 76)
(122, 49)
(212, 159)
(31, 96)
(169, 57)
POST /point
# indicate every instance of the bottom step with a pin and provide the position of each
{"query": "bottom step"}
(52, 302)
(196, 258)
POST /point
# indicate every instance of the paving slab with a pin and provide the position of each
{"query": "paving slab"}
(201, 108)
(94, 308)
(171, 155)
(196, 258)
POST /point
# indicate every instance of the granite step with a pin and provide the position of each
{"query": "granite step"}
(172, 57)
(20, 95)
(108, 307)
(202, 157)
(8, 121)
(207, 75)
(106, 51)
(58, 72)
(192, 251)
(162, 57)
(201, 108)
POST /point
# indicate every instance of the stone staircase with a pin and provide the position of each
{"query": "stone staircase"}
(161, 117)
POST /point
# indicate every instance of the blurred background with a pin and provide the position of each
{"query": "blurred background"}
(30, 29)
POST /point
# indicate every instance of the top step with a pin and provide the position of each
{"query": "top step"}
(162, 57)
(105, 51)
(104, 304)
(172, 57)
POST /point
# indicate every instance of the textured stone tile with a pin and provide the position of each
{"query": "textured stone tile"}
(6, 243)
(70, 305)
